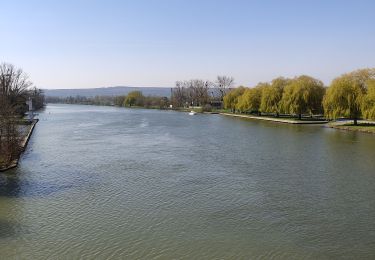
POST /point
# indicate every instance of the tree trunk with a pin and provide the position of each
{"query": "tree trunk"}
(299, 116)
(355, 121)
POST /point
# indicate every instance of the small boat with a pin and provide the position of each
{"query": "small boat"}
(192, 113)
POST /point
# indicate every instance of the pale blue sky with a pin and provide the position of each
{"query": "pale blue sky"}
(81, 44)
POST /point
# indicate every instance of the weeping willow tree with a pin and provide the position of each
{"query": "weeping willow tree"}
(303, 95)
(250, 100)
(368, 103)
(271, 96)
(134, 98)
(231, 98)
(346, 96)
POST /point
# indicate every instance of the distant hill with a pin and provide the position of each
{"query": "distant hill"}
(108, 91)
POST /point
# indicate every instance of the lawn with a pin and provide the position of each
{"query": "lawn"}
(361, 127)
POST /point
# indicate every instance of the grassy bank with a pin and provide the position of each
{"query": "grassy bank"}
(286, 120)
(361, 127)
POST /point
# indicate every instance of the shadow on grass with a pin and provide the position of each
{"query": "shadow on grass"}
(361, 125)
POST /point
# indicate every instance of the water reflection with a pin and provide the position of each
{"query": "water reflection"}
(10, 186)
(16, 186)
(8, 229)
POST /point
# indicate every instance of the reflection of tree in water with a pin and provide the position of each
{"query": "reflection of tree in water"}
(10, 186)
(7, 229)
(16, 186)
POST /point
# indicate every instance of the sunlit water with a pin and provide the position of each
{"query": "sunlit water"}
(115, 183)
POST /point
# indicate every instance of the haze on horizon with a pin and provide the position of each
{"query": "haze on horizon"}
(85, 44)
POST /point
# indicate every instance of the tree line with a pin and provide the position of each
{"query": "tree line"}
(132, 99)
(197, 92)
(188, 93)
(82, 100)
(137, 99)
(351, 95)
(15, 90)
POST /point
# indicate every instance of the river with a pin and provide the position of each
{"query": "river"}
(116, 183)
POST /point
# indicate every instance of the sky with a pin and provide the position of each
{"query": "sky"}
(153, 43)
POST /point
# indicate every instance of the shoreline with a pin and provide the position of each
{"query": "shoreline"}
(23, 145)
(276, 120)
(329, 124)
(352, 128)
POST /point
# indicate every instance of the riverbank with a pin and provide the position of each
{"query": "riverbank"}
(26, 134)
(277, 120)
(363, 126)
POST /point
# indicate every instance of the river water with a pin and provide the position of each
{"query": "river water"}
(116, 183)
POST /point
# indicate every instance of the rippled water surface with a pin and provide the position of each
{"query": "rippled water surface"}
(114, 183)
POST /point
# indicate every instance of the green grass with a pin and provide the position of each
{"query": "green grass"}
(362, 127)
(281, 117)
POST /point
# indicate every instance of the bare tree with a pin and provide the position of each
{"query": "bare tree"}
(9, 135)
(224, 83)
(13, 86)
(13, 90)
(179, 94)
(200, 91)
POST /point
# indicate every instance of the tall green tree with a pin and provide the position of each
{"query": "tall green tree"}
(231, 98)
(302, 95)
(368, 103)
(346, 94)
(14, 84)
(134, 98)
(250, 100)
(271, 96)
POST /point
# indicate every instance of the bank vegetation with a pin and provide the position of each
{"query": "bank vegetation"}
(15, 90)
(349, 96)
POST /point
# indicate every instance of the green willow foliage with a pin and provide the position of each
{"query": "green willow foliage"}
(271, 96)
(250, 100)
(303, 95)
(352, 95)
(134, 98)
(298, 96)
(368, 104)
(231, 98)
(348, 96)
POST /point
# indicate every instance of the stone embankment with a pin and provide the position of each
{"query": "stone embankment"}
(278, 120)
(23, 144)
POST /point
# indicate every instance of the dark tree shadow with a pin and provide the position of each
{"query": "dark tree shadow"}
(8, 229)
(14, 187)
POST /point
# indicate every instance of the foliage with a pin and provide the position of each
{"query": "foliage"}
(14, 91)
(301, 95)
(346, 96)
(231, 98)
(156, 102)
(272, 94)
(134, 98)
(250, 100)
(368, 103)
